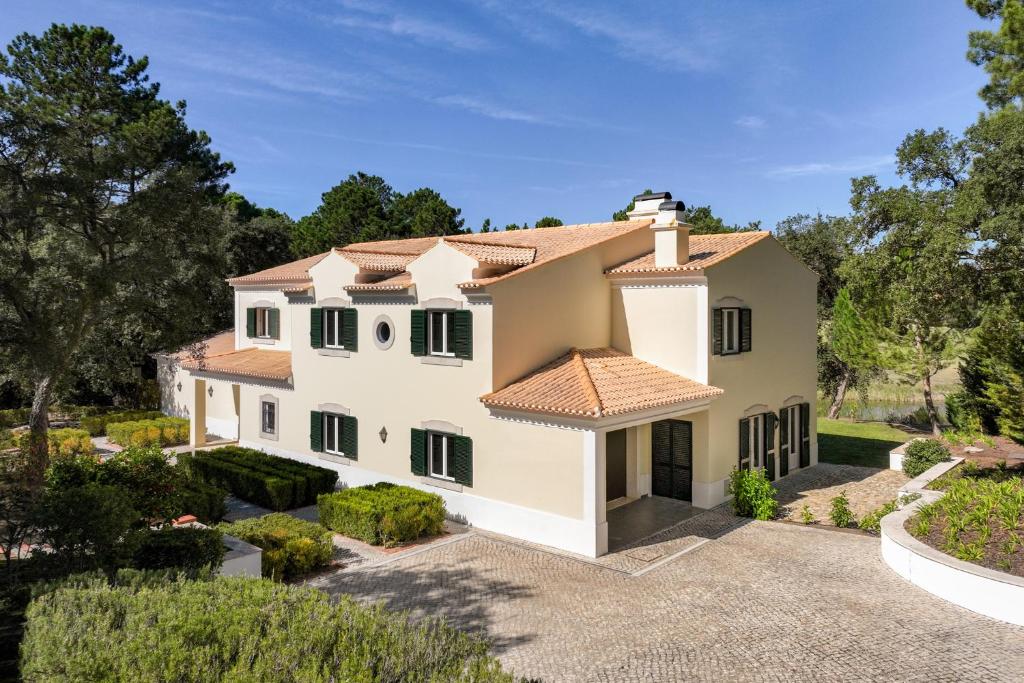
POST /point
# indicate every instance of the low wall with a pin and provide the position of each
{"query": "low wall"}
(979, 589)
(241, 559)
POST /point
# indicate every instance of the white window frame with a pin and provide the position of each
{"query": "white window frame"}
(732, 314)
(336, 314)
(447, 343)
(264, 405)
(263, 322)
(335, 448)
(447, 453)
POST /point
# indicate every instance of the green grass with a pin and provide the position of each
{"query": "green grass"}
(866, 444)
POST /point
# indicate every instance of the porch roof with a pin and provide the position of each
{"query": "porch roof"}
(597, 383)
(258, 363)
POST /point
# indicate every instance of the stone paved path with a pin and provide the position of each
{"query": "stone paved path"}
(761, 601)
(867, 489)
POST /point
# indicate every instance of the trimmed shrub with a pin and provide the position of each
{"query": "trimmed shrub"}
(97, 424)
(752, 494)
(164, 431)
(267, 480)
(152, 629)
(383, 513)
(291, 546)
(189, 549)
(63, 443)
(206, 502)
(922, 455)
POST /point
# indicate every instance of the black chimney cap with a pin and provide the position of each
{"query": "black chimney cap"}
(652, 195)
(671, 206)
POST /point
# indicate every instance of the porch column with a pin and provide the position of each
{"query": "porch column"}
(594, 494)
(197, 423)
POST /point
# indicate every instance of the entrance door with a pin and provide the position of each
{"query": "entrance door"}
(615, 456)
(672, 459)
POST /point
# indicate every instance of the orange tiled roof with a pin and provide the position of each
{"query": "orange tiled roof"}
(222, 342)
(705, 251)
(596, 383)
(379, 261)
(389, 284)
(296, 272)
(499, 254)
(257, 363)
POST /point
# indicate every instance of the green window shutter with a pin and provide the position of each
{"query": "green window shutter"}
(745, 330)
(418, 452)
(464, 334)
(350, 329)
(784, 441)
(464, 460)
(716, 332)
(744, 462)
(250, 322)
(418, 332)
(769, 445)
(316, 328)
(805, 434)
(316, 431)
(350, 436)
(275, 323)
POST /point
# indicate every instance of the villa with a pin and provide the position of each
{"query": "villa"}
(534, 379)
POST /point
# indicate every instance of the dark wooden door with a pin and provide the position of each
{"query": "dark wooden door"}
(615, 452)
(672, 459)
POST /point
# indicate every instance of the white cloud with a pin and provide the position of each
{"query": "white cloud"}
(487, 108)
(854, 165)
(749, 121)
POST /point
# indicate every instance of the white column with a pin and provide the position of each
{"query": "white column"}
(594, 494)
(197, 421)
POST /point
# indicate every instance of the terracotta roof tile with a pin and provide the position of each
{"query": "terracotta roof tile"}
(257, 363)
(596, 383)
(388, 284)
(410, 247)
(220, 343)
(500, 254)
(378, 261)
(705, 251)
(288, 273)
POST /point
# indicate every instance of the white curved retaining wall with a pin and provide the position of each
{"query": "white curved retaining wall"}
(985, 591)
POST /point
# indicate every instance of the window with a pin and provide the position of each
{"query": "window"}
(263, 327)
(383, 333)
(730, 330)
(333, 428)
(441, 333)
(268, 419)
(441, 449)
(333, 328)
(752, 442)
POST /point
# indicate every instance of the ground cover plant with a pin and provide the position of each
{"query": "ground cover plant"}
(978, 520)
(840, 512)
(383, 513)
(969, 469)
(266, 480)
(752, 494)
(162, 431)
(143, 627)
(923, 454)
(96, 425)
(291, 546)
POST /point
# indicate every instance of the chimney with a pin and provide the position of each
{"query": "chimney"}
(671, 234)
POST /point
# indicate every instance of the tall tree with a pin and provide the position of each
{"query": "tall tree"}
(854, 343)
(257, 238)
(422, 213)
(108, 202)
(1000, 52)
(548, 222)
(358, 205)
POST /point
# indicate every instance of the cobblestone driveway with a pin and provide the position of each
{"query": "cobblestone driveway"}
(763, 601)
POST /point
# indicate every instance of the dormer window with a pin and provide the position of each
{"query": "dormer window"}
(263, 322)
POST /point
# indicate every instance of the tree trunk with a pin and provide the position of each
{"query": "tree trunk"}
(839, 397)
(929, 404)
(39, 425)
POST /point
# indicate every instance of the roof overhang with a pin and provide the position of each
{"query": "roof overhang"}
(604, 423)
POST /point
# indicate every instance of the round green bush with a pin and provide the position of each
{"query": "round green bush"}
(922, 455)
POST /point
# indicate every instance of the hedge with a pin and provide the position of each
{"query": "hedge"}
(164, 431)
(382, 513)
(266, 480)
(291, 546)
(189, 549)
(97, 424)
(922, 454)
(206, 502)
(231, 628)
(65, 442)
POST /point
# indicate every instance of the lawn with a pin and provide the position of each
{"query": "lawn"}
(857, 443)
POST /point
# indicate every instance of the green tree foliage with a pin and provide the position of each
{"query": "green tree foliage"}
(257, 238)
(109, 207)
(992, 372)
(999, 52)
(486, 226)
(364, 207)
(855, 344)
(548, 222)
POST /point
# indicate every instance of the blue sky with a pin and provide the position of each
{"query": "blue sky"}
(516, 110)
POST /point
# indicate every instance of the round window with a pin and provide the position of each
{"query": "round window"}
(383, 332)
